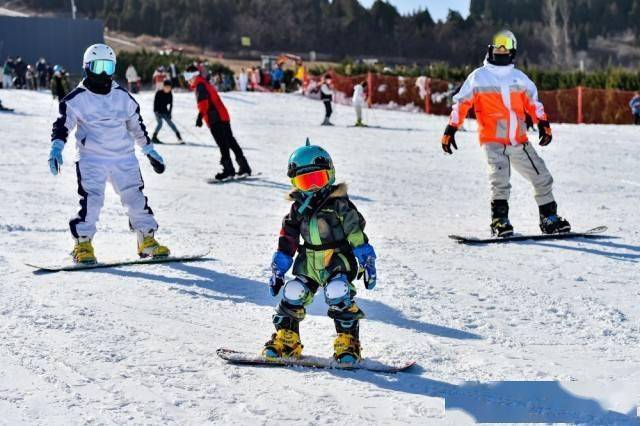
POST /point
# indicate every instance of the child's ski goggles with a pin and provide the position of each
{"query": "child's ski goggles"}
(100, 66)
(312, 181)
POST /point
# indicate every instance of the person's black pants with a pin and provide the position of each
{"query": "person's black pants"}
(636, 119)
(327, 109)
(223, 136)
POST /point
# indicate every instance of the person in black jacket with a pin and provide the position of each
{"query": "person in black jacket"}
(162, 107)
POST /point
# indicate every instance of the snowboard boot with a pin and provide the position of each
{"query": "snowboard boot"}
(83, 252)
(500, 225)
(326, 122)
(244, 170)
(346, 349)
(359, 123)
(225, 175)
(283, 344)
(179, 137)
(550, 222)
(155, 139)
(149, 247)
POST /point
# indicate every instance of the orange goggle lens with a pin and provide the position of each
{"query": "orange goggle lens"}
(312, 181)
(503, 41)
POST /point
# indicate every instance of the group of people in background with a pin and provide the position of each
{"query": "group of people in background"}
(16, 73)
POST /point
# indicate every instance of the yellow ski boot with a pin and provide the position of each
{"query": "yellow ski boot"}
(283, 344)
(149, 247)
(83, 252)
(346, 349)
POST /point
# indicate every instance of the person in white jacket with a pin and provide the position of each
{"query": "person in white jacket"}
(132, 78)
(108, 123)
(359, 100)
(501, 96)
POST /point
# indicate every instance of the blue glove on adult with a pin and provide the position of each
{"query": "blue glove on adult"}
(55, 156)
(280, 264)
(156, 160)
(367, 259)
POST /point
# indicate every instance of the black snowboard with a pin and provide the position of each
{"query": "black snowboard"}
(591, 233)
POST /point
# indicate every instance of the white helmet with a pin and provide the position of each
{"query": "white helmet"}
(98, 51)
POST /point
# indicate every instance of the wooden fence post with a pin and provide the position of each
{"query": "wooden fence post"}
(370, 87)
(427, 98)
(580, 116)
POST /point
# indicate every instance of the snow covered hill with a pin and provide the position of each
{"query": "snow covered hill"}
(529, 332)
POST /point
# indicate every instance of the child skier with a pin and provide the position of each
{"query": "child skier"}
(333, 233)
(501, 95)
(162, 108)
(359, 100)
(108, 120)
(326, 95)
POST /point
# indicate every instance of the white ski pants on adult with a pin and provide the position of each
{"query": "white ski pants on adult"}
(526, 161)
(126, 179)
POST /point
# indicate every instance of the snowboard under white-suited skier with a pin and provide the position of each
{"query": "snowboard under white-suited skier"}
(501, 95)
(332, 230)
(109, 125)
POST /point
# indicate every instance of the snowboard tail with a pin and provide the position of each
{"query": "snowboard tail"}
(590, 233)
(98, 265)
(245, 358)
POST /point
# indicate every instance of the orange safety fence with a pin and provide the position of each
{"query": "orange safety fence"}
(433, 96)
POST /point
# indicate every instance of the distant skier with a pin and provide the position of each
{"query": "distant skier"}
(326, 95)
(59, 83)
(634, 104)
(501, 95)
(108, 121)
(334, 244)
(162, 108)
(359, 100)
(133, 79)
(8, 70)
(212, 111)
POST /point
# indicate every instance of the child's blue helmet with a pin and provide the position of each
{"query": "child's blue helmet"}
(306, 160)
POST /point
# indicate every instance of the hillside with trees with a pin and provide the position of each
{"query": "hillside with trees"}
(559, 33)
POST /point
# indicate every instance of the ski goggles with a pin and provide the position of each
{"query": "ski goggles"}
(100, 66)
(502, 40)
(312, 181)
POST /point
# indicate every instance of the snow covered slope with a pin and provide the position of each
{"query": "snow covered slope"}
(546, 331)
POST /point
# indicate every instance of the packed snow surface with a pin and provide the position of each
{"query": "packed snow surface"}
(526, 332)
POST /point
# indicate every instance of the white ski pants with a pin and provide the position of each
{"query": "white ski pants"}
(126, 179)
(358, 108)
(525, 160)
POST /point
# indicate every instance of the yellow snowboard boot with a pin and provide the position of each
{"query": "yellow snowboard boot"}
(283, 344)
(83, 252)
(346, 349)
(149, 247)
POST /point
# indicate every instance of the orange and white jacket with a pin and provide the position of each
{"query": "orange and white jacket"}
(500, 96)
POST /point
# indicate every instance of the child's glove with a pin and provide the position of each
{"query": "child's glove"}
(544, 132)
(55, 156)
(199, 121)
(280, 264)
(367, 259)
(156, 160)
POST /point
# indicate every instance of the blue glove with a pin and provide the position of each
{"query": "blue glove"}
(55, 156)
(367, 259)
(156, 160)
(280, 264)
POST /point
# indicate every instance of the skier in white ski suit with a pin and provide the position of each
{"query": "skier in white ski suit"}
(108, 122)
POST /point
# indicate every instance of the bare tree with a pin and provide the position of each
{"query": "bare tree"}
(550, 15)
(565, 14)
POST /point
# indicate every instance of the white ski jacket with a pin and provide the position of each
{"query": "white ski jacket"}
(107, 125)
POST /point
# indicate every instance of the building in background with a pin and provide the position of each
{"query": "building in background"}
(60, 40)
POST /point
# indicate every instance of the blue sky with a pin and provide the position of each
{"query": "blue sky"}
(437, 8)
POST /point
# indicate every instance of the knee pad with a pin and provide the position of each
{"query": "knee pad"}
(296, 293)
(337, 292)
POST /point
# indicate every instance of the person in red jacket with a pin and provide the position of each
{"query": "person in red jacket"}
(212, 111)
